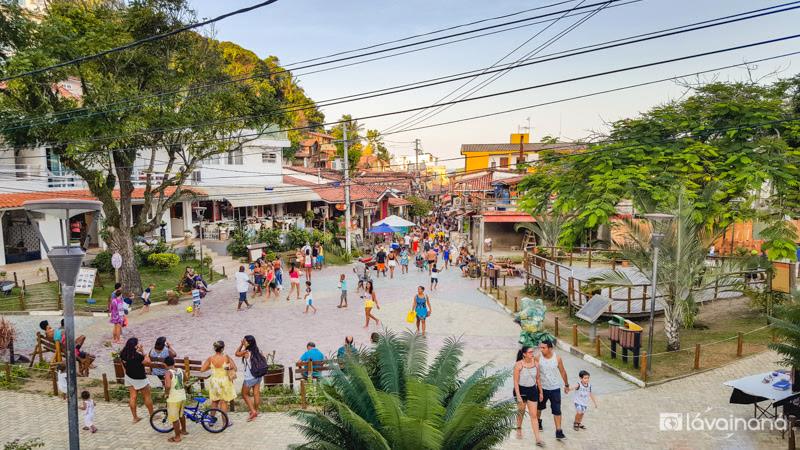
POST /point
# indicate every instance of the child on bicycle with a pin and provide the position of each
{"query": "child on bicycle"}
(176, 397)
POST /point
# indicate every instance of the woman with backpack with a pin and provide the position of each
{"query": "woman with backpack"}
(255, 367)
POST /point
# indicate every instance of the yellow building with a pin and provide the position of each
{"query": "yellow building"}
(507, 156)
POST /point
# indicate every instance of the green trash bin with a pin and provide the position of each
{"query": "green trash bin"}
(617, 321)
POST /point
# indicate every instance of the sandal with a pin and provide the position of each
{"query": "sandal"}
(173, 440)
(576, 426)
(540, 443)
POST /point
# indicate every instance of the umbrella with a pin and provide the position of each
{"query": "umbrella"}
(396, 222)
(383, 228)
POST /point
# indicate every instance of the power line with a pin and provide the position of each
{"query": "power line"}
(424, 114)
(138, 42)
(482, 97)
(448, 79)
(204, 87)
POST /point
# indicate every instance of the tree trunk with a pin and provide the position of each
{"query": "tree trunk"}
(672, 332)
(122, 242)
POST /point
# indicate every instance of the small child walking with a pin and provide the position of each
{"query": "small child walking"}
(146, 298)
(61, 380)
(87, 406)
(308, 298)
(343, 290)
(583, 393)
(434, 277)
(196, 302)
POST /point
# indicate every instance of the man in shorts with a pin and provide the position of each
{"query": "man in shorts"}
(380, 260)
(551, 373)
(243, 284)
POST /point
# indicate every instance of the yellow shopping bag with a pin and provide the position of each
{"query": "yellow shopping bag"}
(411, 316)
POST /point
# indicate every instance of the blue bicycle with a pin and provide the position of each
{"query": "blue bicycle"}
(214, 420)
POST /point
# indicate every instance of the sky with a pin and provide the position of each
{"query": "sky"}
(296, 30)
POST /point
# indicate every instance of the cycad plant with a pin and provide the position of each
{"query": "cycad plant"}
(786, 324)
(389, 397)
(682, 272)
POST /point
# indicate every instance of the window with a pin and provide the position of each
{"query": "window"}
(269, 157)
(235, 157)
(493, 164)
(214, 160)
(196, 177)
(504, 162)
(521, 160)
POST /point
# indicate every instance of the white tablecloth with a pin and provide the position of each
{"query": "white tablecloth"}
(754, 385)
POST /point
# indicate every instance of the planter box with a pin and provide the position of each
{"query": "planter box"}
(274, 377)
(119, 371)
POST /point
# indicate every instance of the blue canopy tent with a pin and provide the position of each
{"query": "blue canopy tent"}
(383, 228)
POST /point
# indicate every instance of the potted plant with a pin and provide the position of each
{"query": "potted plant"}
(119, 369)
(274, 376)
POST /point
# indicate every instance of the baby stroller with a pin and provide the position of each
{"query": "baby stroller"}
(419, 262)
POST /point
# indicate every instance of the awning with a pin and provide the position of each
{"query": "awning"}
(506, 217)
(256, 196)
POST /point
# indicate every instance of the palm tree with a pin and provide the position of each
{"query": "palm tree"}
(786, 323)
(547, 228)
(682, 271)
(390, 398)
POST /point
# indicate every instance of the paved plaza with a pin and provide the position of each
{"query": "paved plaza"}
(627, 417)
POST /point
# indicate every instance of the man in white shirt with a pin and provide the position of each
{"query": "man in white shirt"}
(243, 284)
(407, 240)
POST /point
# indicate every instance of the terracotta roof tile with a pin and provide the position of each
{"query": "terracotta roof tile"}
(14, 200)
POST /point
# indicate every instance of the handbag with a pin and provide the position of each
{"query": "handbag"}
(411, 316)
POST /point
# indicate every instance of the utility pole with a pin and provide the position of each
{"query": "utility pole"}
(347, 246)
(416, 161)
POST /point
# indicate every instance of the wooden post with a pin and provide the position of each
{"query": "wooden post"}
(47, 269)
(558, 276)
(644, 298)
(106, 395)
(629, 299)
(516, 304)
(613, 264)
(570, 258)
(210, 273)
(574, 335)
(570, 291)
(24, 286)
(21, 300)
(505, 299)
(223, 272)
(8, 372)
(716, 287)
(643, 362)
(303, 394)
(597, 345)
(555, 328)
(590, 257)
(739, 339)
(186, 368)
(55, 383)
(504, 278)
(697, 356)
(15, 279)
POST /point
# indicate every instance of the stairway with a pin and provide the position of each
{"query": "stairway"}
(230, 264)
(41, 297)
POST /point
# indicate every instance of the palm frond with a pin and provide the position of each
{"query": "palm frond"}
(415, 352)
(362, 433)
(390, 369)
(422, 403)
(444, 370)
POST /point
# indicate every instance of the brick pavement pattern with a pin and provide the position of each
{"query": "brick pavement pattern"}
(627, 418)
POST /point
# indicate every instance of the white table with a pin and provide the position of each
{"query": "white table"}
(754, 387)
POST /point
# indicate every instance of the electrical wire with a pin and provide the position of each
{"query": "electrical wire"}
(469, 74)
(471, 99)
(138, 42)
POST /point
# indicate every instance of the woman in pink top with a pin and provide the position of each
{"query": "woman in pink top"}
(117, 311)
(294, 278)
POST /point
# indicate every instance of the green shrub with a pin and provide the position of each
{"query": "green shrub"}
(28, 444)
(239, 242)
(189, 253)
(163, 260)
(270, 237)
(297, 238)
(102, 262)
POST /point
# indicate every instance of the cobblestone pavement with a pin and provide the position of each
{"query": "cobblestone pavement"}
(627, 418)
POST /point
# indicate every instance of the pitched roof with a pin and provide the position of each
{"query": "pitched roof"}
(512, 181)
(397, 201)
(13, 200)
(531, 147)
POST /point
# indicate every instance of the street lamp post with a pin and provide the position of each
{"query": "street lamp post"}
(656, 236)
(66, 261)
(201, 210)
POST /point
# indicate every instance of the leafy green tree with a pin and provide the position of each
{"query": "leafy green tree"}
(682, 271)
(157, 139)
(354, 136)
(375, 140)
(389, 397)
(725, 134)
(419, 207)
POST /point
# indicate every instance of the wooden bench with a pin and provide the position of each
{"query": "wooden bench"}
(44, 345)
(310, 369)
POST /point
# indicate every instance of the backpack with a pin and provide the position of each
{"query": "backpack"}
(258, 365)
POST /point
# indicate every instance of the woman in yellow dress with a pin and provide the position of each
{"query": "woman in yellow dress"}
(223, 372)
